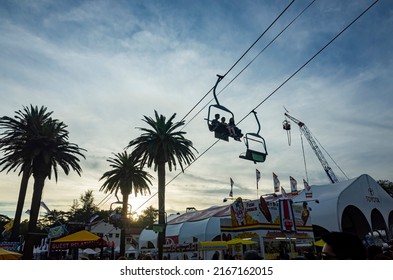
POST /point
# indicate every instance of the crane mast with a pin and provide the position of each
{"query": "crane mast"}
(314, 146)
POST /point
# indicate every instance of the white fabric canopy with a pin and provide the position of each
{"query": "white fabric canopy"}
(362, 192)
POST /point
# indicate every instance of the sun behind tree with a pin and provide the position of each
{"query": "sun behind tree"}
(127, 176)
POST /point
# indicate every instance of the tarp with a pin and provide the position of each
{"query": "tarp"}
(80, 239)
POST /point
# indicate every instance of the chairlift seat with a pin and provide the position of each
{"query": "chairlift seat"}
(221, 135)
(254, 156)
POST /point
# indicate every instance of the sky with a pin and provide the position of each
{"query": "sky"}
(101, 66)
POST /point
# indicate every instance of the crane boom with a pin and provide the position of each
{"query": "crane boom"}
(314, 146)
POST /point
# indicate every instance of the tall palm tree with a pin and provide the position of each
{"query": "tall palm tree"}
(44, 147)
(160, 144)
(126, 175)
(24, 124)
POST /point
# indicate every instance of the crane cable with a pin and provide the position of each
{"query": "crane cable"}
(331, 158)
(304, 156)
(282, 84)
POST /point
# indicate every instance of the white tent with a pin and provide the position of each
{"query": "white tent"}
(196, 226)
(359, 205)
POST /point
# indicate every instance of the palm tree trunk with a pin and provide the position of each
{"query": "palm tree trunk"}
(161, 207)
(39, 182)
(123, 225)
(21, 201)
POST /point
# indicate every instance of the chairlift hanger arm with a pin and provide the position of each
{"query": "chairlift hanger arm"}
(215, 87)
(259, 125)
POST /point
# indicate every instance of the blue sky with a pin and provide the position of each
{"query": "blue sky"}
(100, 66)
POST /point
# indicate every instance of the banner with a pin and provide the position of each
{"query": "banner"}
(283, 192)
(276, 183)
(293, 185)
(307, 187)
(258, 176)
(287, 218)
(231, 192)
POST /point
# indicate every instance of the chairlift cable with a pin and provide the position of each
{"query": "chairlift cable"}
(242, 56)
(244, 68)
(263, 33)
(311, 59)
(104, 200)
(211, 146)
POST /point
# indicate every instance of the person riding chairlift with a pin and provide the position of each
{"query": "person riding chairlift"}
(234, 131)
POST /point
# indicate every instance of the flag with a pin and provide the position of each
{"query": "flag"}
(293, 185)
(307, 187)
(43, 205)
(276, 183)
(231, 192)
(283, 192)
(93, 218)
(258, 175)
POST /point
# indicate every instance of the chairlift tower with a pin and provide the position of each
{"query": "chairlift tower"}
(314, 146)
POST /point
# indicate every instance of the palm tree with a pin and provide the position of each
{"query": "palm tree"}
(43, 148)
(162, 144)
(126, 175)
(20, 127)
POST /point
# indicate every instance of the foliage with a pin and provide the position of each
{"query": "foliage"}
(147, 218)
(387, 186)
(84, 209)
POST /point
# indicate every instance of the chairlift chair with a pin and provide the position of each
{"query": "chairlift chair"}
(254, 155)
(220, 131)
(121, 203)
(257, 140)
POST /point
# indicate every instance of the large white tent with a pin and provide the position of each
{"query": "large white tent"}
(359, 205)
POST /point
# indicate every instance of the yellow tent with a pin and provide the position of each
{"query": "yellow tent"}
(9, 255)
(319, 243)
(241, 241)
(212, 245)
(80, 239)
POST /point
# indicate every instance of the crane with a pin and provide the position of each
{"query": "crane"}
(314, 146)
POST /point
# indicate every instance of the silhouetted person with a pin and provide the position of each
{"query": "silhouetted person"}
(343, 246)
